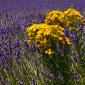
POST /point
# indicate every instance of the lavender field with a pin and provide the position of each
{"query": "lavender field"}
(54, 56)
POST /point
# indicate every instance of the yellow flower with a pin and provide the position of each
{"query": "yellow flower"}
(49, 52)
(68, 41)
(53, 17)
(29, 42)
(42, 33)
(47, 32)
(38, 36)
(70, 17)
(60, 38)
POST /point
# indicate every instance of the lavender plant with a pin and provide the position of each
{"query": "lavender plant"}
(17, 64)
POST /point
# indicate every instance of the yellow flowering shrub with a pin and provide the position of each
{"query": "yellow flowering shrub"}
(53, 17)
(69, 18)
(53, 27)
(42, 33)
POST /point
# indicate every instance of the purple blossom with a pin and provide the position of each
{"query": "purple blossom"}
(76, 75)
(75, 56)
(37, 65)
(21, 82)
(33, 81)
(17, 43)
(84, 29)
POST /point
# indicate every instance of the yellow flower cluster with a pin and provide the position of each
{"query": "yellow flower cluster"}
(49, 52)
(53, 17)
(42, 33)
(68, 18)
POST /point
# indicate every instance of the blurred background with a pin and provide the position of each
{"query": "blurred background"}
(42, 4)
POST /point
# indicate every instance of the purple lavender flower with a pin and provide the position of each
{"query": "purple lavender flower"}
(33, 81)
(50, 74)
(21, 82)
(84, 29)
(26, 44)
(37, 66)
(75, 57)
(76, 75)
(17, 43)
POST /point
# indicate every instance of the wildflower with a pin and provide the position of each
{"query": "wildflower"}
(60, 38)
(53, 17)
(29, 42)
(49, 52)
(42, 33)
(70, 17)
(68, 41)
